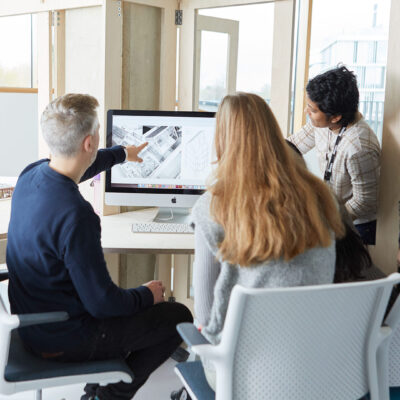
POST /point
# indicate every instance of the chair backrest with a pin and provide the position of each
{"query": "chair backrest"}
(393, 321)
(315, 342)
(7, 324)
(394, 359)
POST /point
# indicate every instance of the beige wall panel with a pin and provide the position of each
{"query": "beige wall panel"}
(83, 62)
(111, 72)
(112, 260)
(168, 59)
(182, 277)
(3, 246)
(136, 269)
(186, 59)
(385, 251)
(14, 7)
(163, 272)
(84, 52)
(141, 55)
(59, 53)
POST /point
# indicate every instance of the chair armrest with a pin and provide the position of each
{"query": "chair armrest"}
(41, 318)
(190, 334)
(3, 275)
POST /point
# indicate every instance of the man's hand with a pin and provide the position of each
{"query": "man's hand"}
(158, 290)
(133, 152)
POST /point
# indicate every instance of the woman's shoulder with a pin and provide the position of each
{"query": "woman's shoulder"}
(361, 138)
(202, 220)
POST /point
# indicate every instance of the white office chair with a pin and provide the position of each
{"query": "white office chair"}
(20, 370)
(394, 365)
(314, 342)
(389, 354)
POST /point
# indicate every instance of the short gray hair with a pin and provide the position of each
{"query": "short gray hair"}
(67, 120)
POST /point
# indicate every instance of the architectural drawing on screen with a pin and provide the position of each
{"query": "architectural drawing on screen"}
(161, 157)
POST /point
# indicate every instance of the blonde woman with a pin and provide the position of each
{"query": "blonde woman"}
(265, 221)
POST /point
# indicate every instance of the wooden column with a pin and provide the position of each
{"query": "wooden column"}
(44, 23)
(385, 252)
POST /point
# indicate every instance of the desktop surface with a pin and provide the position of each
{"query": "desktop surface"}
(5, 211)
(117, 236)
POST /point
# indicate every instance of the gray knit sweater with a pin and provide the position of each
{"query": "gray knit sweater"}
(214, 279)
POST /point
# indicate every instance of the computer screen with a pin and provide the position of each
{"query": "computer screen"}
(176, 162)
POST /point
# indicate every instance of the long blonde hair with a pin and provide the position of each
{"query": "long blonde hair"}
(268, 204)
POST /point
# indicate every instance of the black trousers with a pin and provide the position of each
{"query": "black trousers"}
(145, 340)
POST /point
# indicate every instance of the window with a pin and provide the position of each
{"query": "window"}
(254, 54)
(18, 61)
(357, 38)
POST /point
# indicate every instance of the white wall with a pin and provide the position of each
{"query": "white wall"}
(18, 132)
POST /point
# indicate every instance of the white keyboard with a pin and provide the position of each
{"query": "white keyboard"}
(160, 227)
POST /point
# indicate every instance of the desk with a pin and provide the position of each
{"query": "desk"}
(172, 249)
(117, 236)
(5, 211)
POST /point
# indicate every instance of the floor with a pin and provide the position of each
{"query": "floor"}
(159, 386)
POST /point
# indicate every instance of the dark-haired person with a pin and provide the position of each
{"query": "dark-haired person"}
(348, 150)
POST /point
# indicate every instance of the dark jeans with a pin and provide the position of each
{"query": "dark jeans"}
(145, 340)
(367, 231)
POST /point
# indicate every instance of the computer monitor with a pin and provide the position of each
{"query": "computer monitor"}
(176, 162)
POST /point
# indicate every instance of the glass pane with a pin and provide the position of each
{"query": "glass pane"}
(34, 52)
(15, 51)
(358, 39)
(213, 69)
(256, 25)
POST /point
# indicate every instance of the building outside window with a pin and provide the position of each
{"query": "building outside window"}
(357, 38)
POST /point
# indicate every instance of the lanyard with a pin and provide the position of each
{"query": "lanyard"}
(328, 170)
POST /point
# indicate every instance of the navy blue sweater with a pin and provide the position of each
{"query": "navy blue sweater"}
(56, 261)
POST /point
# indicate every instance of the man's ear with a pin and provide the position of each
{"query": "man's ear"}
(87, 144)
(335, 119)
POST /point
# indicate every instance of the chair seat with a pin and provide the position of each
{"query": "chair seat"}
(24, 366)
(192, 374)
(395, 393)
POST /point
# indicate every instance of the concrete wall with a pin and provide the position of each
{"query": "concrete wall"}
(141, 57)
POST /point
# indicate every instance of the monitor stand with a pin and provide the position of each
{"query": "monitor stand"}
(174, 215)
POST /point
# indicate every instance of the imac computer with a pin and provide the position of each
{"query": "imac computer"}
(176, 162)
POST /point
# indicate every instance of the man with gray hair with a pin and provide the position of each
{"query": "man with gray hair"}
(56, 262)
